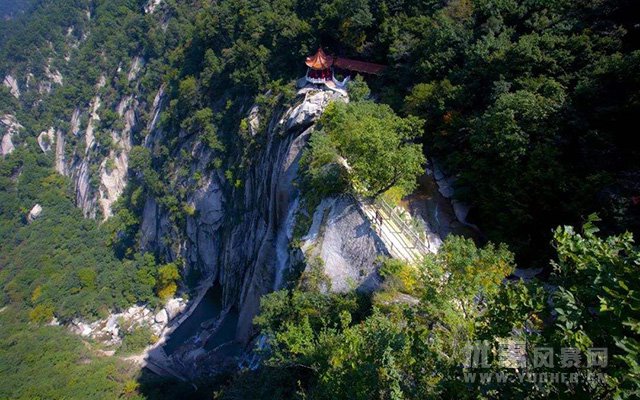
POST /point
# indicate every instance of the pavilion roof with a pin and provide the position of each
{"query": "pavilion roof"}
(319, 61)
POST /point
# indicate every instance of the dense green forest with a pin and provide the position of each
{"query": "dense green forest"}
(527, 103)
(10, 8)
(394, 347)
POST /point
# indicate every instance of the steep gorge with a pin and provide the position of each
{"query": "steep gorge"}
(240, 236)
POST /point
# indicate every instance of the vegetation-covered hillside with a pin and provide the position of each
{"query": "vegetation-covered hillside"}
(527, 103)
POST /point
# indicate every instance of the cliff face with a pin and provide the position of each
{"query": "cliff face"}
(240, 236)
(343, 239)
(96, 156)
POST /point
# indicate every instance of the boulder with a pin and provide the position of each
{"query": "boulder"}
(9, 126)
(343, 238)
(12, 84)
(162, 317)
(174, 307)
(35, 212)
(6, 145)
(254, 120)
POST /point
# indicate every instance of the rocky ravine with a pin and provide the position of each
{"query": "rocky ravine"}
(240, 237)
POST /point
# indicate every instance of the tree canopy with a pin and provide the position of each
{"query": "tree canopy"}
(371, 143)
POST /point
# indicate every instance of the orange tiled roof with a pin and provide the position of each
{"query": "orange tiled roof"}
(319, 61)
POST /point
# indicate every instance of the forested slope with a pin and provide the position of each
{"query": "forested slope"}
(119, 107)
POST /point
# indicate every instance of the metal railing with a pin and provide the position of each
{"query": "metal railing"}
(413, 247)
(406, 228)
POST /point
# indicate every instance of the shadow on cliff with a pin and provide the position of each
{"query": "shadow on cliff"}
(270, 383)
(155, 387)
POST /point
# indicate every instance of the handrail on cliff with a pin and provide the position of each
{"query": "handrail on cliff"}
(410, 236)
(406, 229)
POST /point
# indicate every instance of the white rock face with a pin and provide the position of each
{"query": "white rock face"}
(75, 122)
(11, 83)
(60, 163)
(93, 119)
(35, 213)
(81, 171)
(6, 146)
(311, 108)
(9, 126)
(110, 329)
(55, 76)
(162, 317)
(136, 65)
(254, 120)
(46, 139)
(114, 176)
(151, 6)
(347, 244)
(175, 307)
(154, 134)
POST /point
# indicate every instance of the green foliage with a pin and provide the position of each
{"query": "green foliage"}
(521, 98)
(41, 313)
(323, 175)
(168, 276)
(48, 362)
(313, 278)
(136, 340)
(358, 89)
(399, 276)
(407, 352)
(597, 299)
(371, 142)
(528, 103)
(202, 123)
(414, 350)
(61, 264)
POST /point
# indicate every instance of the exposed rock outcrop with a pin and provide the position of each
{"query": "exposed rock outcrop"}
(46, 139)
(237, 235)
(311, 108)
(114, 168)
(111, 329)
(60, 163)
(250, 252)
(55, 76)
(35, 213)
(12, 84)
(136, 66)
(343, 238)
(151, 6)
(446, 187)
(99, 173)
(9, 126)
